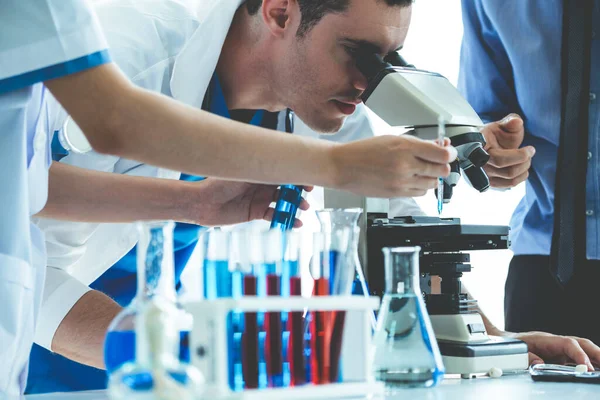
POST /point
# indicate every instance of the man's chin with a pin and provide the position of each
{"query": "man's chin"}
(328, 126)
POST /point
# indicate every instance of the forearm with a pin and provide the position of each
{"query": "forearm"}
(154, 129)
(80, 336)
(83, 195)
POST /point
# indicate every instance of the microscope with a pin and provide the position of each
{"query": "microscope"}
(462, 338)
(406, 97)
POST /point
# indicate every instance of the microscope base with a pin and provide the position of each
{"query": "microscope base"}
(476, 358)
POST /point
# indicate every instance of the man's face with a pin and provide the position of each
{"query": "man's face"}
(317, 74)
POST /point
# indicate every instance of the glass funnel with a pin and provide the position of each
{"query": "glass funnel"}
(406, 353)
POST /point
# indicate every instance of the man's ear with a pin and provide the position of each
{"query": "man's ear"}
(279, 15)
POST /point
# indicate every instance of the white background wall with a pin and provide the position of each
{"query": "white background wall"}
(434, 43)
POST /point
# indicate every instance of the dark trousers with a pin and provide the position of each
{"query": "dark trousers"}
(533, 300)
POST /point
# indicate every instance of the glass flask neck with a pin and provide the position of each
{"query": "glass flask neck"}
(334, 218)
(402, 270)
(155, 265)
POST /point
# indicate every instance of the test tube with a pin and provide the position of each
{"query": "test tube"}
(246, 257)
(272, 247)
(221, 281)
(291, 266)
(286, 207)
(343, 271)
(320, 325)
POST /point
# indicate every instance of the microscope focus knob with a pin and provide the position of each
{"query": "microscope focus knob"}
(479, 157)
(478, 178)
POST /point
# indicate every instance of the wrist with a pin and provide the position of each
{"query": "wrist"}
(339, 174)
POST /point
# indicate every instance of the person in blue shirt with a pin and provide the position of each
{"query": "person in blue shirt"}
(511, 64)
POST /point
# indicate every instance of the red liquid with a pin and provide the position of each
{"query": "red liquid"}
(274, 345)
(321, 337)
(336, 344)
(250, 339)
(296, 342)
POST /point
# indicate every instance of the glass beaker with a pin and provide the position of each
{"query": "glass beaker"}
(156, 372)
(406, 353)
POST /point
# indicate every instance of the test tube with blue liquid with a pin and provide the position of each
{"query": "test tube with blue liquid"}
(221, 281)
(286, 207)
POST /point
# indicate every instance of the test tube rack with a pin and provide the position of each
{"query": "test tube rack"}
(209, 348)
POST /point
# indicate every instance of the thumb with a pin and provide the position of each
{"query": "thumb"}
(511, 123)
(535, 359)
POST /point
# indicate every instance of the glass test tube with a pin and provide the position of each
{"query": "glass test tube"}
(295, 322)
(272, 247)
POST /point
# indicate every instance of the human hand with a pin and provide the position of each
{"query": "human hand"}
(508, 165)
(227, 202)
(392, 166)
(549, 348)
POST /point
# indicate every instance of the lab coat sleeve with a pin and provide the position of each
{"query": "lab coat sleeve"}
(47, 39)
(61, 292)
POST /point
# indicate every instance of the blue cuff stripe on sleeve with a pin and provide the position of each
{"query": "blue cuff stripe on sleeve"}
(54, 71)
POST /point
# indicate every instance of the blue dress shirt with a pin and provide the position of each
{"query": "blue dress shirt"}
(511, 63)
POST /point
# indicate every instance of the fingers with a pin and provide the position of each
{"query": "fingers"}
(591, 350)
(511, 123)
(501, 158)
(500, 183)
(535, 359)
(429, 170)
(269, 214)
(508, 172)
(304, 205)
(434, 153)
(575, 352)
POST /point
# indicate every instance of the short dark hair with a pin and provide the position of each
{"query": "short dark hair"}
(314, 10)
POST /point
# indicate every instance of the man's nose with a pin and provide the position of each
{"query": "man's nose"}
(359, 81)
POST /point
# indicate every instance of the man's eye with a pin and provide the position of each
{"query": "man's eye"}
(352, 51)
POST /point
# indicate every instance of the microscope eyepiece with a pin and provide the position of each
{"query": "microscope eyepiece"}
(371, 65)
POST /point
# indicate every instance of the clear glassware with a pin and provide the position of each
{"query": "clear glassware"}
(335, 218)
(156, 371)
(406, 353)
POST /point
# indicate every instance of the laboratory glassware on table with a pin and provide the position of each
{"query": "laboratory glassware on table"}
(406, 352)
(284, 314)
(156, 371)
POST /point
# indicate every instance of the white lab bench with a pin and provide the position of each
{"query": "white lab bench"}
(508, 387)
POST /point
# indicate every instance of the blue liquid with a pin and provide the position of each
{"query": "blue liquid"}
(119, 348)
(219, 282)
(406, 353)
(286, 207)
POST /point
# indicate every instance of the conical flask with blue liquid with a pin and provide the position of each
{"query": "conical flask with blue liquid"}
(151, 328)
(406, 353)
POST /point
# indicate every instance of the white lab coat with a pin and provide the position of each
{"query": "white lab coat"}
(167, 46)
(33, 36)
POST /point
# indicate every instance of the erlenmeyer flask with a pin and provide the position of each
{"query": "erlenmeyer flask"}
(156, 372)
(406, 351)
